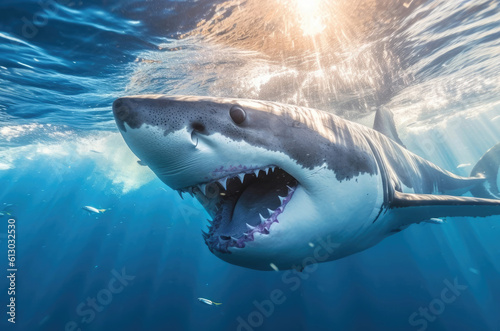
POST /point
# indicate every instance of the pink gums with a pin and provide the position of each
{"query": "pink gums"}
(222, 245)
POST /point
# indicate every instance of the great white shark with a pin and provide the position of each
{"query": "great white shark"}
(276, 178)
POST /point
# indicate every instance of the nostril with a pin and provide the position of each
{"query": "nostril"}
(197, 126)
(194, 138)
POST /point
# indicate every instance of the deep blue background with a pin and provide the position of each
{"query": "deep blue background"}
(56, 88)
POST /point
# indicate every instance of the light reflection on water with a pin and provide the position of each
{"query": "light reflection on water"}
(325, 54)
(362, 55)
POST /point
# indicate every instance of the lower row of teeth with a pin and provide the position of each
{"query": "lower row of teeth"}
(263, 227)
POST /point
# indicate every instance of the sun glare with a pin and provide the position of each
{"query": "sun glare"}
(311, 16)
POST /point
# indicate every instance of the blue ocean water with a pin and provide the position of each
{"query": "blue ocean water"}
(142, 264)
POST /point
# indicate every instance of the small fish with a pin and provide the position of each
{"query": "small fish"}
(435, 221)
(91, 209)
(474, 271)
(209, 302)
(275, 268)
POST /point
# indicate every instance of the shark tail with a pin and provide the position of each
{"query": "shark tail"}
(487, 167)
(101, 210)
(408, 208)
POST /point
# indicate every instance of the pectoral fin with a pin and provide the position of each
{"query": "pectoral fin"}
(416, 208)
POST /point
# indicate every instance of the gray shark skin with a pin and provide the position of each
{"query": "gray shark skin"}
(277, 179)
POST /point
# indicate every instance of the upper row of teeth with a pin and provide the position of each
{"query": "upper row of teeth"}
(241, 176)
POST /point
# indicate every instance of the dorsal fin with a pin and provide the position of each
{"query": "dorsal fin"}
(384, 123)
(488, 167)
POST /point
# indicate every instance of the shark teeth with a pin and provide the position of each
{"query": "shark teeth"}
(223, 182)
(221, 193)
(203, 188)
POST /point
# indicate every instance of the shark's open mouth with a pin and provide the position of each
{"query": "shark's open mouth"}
(243, 204)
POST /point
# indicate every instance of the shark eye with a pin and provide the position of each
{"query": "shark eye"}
(237, 114)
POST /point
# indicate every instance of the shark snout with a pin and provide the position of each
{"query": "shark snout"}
(125, 111)
(120, 108)
(122, 111)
